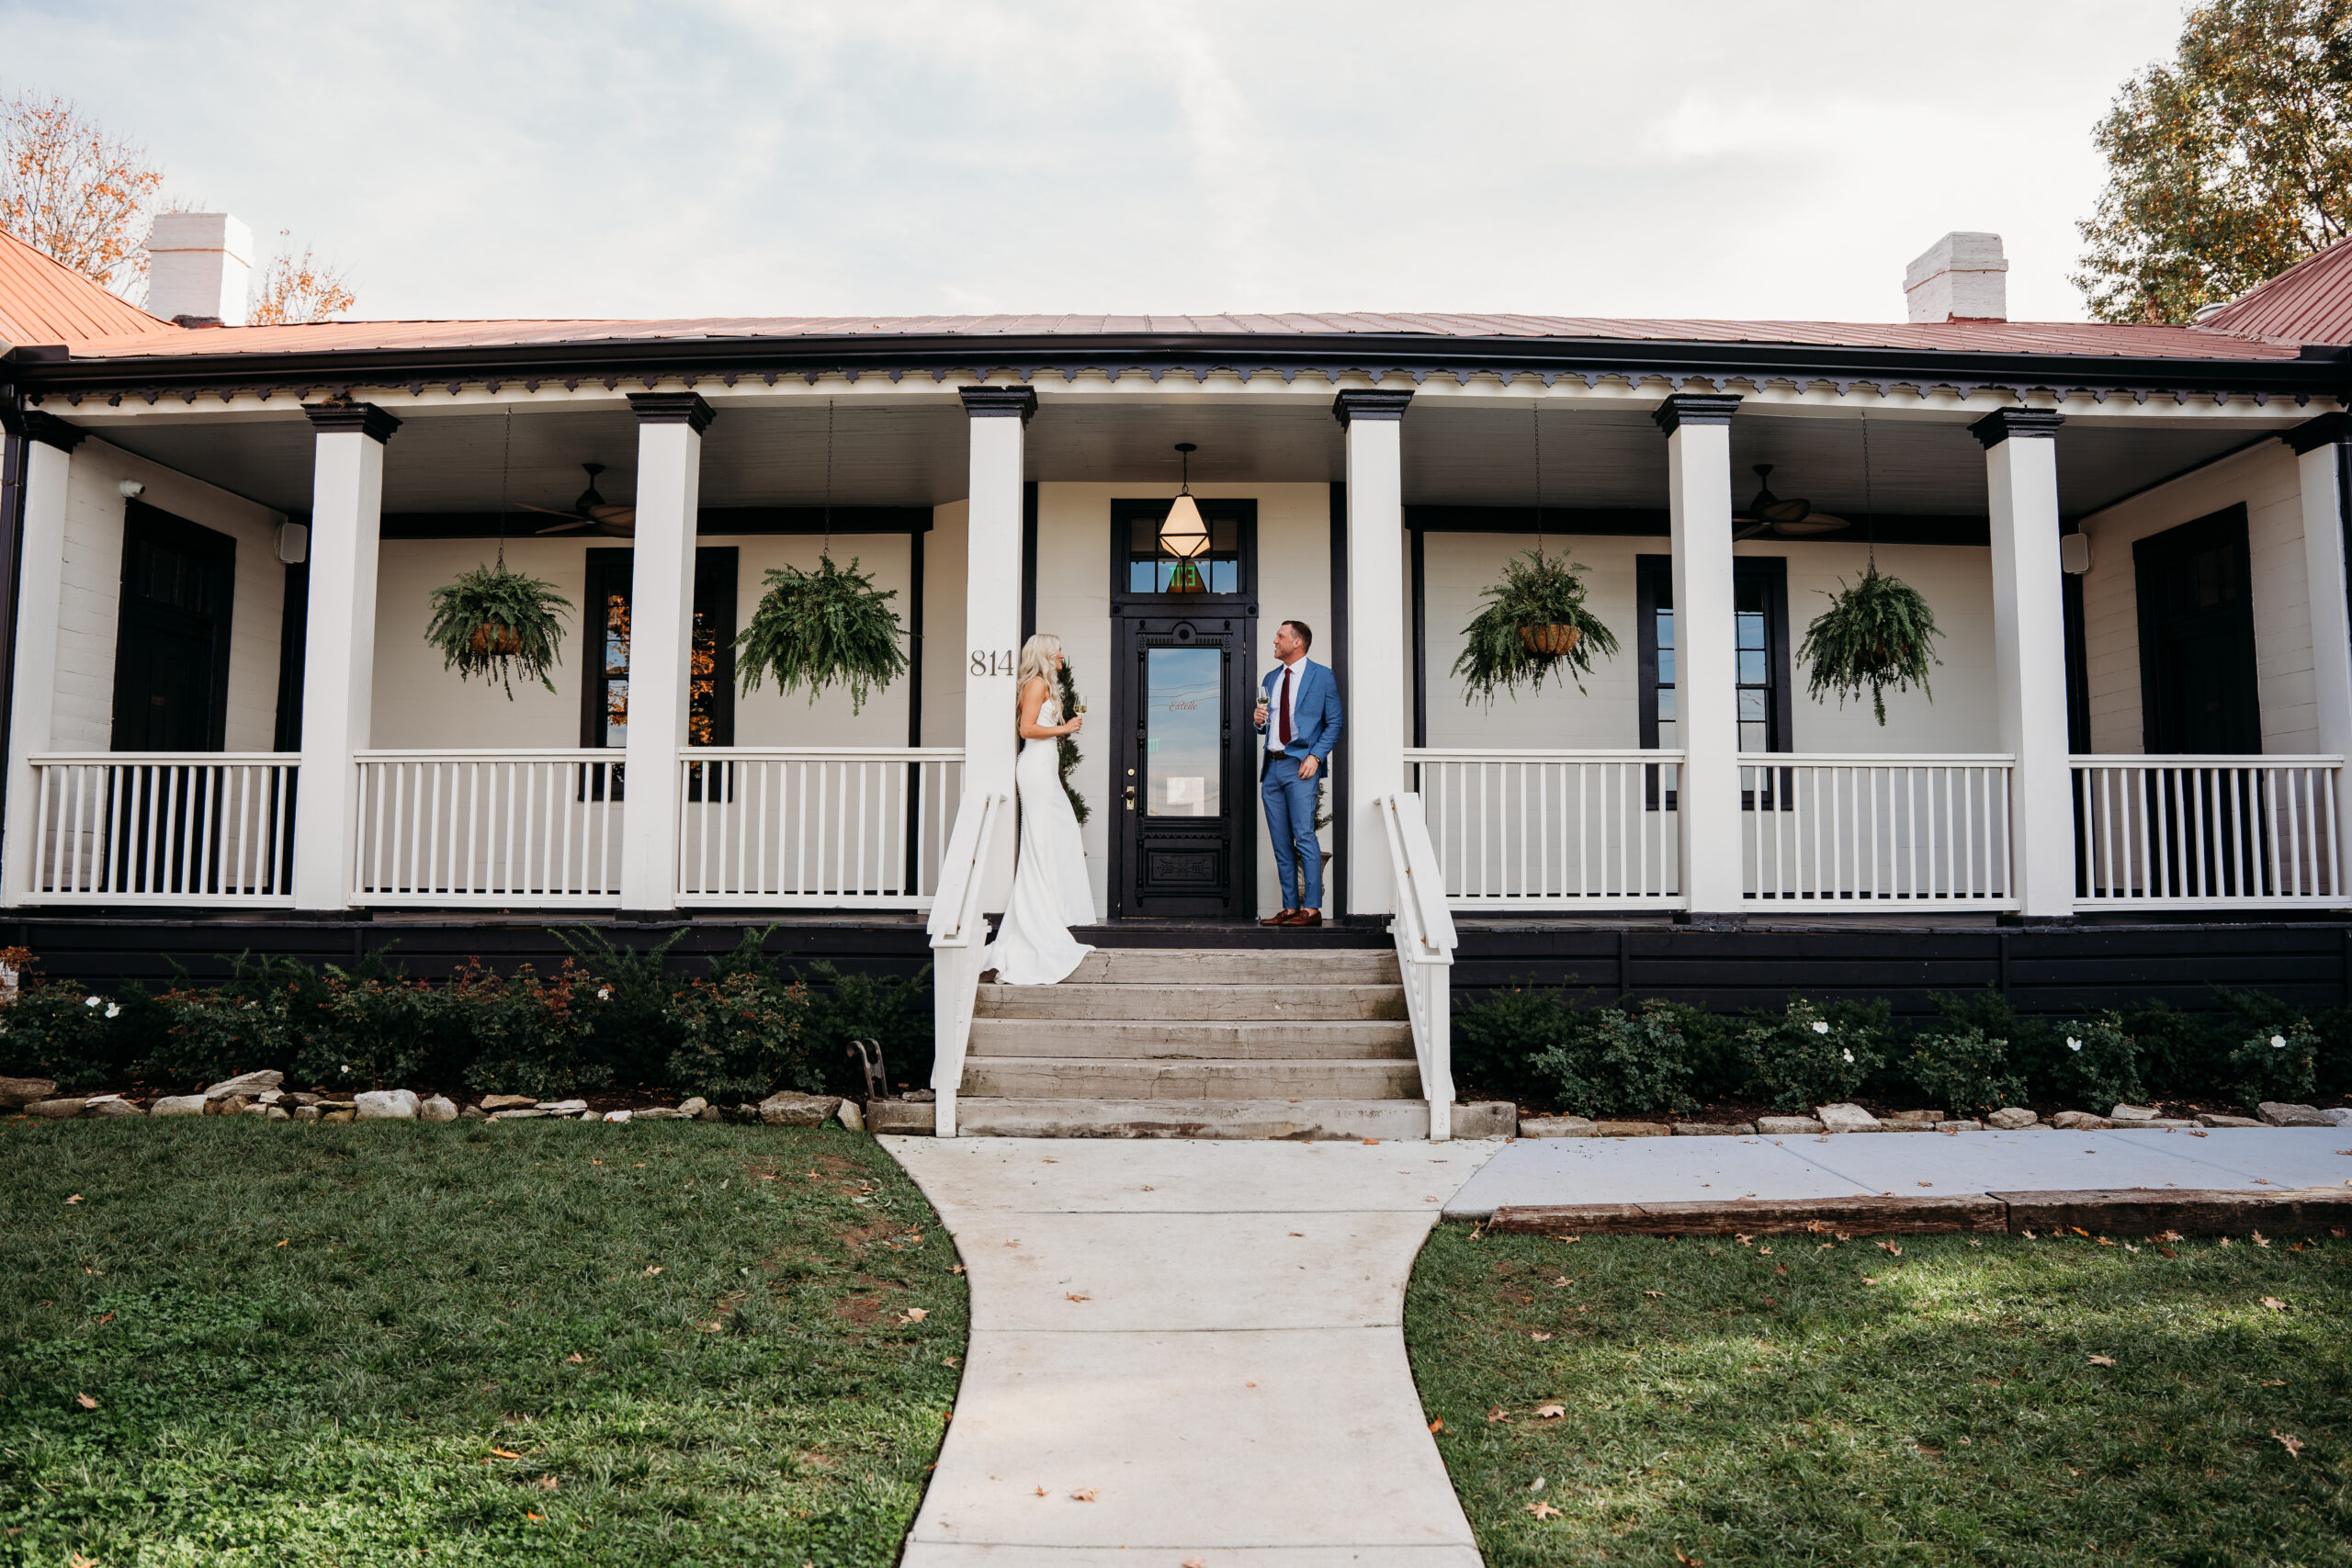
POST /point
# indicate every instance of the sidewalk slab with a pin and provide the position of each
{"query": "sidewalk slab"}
(1177, 1176)
(1637, 1170)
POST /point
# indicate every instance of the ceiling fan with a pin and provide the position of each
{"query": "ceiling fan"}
(1788, 519)
(591, 510)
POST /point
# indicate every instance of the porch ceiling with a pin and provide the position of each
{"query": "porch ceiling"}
(914, 454)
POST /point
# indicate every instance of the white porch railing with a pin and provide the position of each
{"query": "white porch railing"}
(199, 828)
(959, 940)
(1553, 830)
(835, 828)
(537, 828)
(1425, 941)
(2204, 832)
(1860, 832)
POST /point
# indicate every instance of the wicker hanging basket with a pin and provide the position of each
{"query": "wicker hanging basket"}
(1550, 641)
(492, 640)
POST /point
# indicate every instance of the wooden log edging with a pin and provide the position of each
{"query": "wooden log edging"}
(2138, 1210)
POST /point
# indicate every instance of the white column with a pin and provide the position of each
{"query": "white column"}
(661, 638)
(1706, 648)
(2323, 447)
(998, 417)
(339, 645)
(2030, 654)
(1375, 717)
(48, 443)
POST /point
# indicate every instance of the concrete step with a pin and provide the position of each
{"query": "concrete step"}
(1153, 1038)
(1297, 1119)
(1238, 967)
(1098, 1077)
(1239, 1004)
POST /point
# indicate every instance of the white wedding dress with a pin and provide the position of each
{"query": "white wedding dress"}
(1050, 895)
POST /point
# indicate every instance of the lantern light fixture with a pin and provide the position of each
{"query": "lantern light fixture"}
(1182, 533)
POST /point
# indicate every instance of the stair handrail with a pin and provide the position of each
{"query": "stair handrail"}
(959, 936)
(1423, 929)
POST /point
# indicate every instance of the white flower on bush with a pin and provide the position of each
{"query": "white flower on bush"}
(114, 1009)
(604, 993)
(2277, 1041)
(2073, 1044)
(92, 1001)
(1849, 1058)
(1820, 1026)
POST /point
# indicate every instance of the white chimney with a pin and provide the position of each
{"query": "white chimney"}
(198, 264)
(1960, 277)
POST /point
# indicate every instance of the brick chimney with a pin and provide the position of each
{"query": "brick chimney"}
(1960, 277)
(198, 264)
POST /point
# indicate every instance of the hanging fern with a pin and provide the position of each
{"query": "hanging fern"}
(1536, 591)
(1066, 750)
(1874, 634)
(820, 628)
(496, 623)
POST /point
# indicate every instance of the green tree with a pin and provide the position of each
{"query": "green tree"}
(2227, 166)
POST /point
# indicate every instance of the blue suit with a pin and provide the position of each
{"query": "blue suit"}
(1290, 800)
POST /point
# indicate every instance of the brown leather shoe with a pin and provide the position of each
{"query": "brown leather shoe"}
(1306, 917)
(1281, 918)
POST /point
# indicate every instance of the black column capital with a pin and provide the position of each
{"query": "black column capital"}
(1350, 406)
(52, 431)
(1695, 409)
(352, 419)
(673, 408)
(2001, 424)
(2327, 430)
(999, 403)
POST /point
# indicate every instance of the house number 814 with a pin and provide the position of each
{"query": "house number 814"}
(994, 662)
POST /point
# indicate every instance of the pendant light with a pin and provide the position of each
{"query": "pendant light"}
(1182, 533)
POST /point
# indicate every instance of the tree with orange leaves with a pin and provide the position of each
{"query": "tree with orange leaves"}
(297, 289)
(75, 192)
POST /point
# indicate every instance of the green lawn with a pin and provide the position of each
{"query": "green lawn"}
(1851, 1405)
(469, 1343)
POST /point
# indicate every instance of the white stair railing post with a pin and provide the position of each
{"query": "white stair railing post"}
(959, 936)
(1423, 930)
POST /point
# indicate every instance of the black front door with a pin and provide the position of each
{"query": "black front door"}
(2197, 681)
(171, 667)
(1184, 754)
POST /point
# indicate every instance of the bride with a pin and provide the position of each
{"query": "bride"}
(1049, 889)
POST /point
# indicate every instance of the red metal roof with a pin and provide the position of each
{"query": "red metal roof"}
(2308, 302)
(1990, 337)
(42, 302)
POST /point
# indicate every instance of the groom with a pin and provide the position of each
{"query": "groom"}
(1299, 715)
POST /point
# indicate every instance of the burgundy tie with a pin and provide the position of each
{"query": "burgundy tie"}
(1283, 730)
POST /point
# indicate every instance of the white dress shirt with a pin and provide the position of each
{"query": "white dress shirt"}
(1297, 668)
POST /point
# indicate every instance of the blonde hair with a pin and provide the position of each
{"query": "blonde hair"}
(1037, 656)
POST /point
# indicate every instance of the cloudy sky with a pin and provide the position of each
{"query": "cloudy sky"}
(1703, 158)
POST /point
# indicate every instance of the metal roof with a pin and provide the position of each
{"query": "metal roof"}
(43, 301)
(2308, 302)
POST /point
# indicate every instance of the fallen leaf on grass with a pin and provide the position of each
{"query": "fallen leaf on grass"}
(86, 1401)
(288, 1241)
(2274, 1383)
(1438, 1424)
(1538, 1339)
(545, 1483)
(2166, 1252)
(1498, 1413)
(1889, 1247)
(1763, 1252)
(1653, 1294)
(2102, 1361)
(1690, 1561)
(651, 1270)
(1083, 1495)
(956, 1268)
(2258, 1239)
(2293, 1445)
(536, 1518)
(2274, 1304)
(504, 1454)
(75, 1199)
(947, 1360)
(78, 1560)
(107, 1319)
(710, 1327)
(916, 1315)
(1867, 1279)
(1549, 1412)
(1562, 1282)
(1541, 1510)
(2170, 1236)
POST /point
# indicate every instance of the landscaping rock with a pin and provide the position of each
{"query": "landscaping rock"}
(1848, 1118)
(1556, 1127)
(2124, 1115)
(2077, 1122)
(2282, 1115)
(473, 1113)
(1913, 1119)
(520, 1113)
(177, 1105)
(711, 1114)
(618, 1117)
(2214, 1119)
(913, 1118)
(57, 1110)
(112, 1105)
(17, 1093)
(1714, 1129)
(2011, 1119)
(1965, 1125)
(663, 1113)
(1482, 1119)
(336, 1115)
(245, 1084)
(234, 1105)
(789, 1109)
(1630, 1130)
(1786, 1126)
(303, 1097)
(563, 1107)
(440, 1107)
(921, 1096)
(2340, 1116)
(851, 1116)
(270, 1096)
(278, 1112)
(256, 1109)
(307, 1113)
(505, 1101)
(386, 1105)
(691, 1106)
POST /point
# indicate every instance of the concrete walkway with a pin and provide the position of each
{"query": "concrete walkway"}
(1637, 1170)
(1188, 1352)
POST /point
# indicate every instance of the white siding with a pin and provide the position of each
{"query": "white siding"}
(1956, 581)
(91, 608)
(2264, 478)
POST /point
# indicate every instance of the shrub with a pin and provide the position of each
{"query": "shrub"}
(2330, 1028)
(2098, 1064)
(210, 1034)
(1711, 1044)
(634, 1030)
(382, 1030)
(1965, 1071)
(889, 1010)
(2275, 1065)
(528, 1035)
(1608, 1061)
(56, 1029)
(743, 1039)
(2183, 1052)
(1807, 1056)
(1496, 1042)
